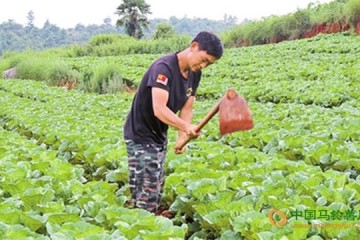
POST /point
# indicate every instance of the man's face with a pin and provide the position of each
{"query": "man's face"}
(199, 59)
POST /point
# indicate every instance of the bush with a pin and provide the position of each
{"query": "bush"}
(164, 30)
(46, 68)
(352, 12)
(75, 51)
(32, 68)
(326, 13)
(102, 39)
(59, 73)
(11, 59)
(114, 45)
(106, 79)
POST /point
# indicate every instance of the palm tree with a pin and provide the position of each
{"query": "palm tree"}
(132, 17)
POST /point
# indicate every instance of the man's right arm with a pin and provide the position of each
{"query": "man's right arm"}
(164, 114)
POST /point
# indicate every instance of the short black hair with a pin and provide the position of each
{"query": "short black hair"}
(210, 43)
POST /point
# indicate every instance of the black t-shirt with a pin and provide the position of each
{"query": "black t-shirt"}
(141, 125)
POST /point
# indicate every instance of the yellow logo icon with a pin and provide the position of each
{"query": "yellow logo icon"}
(189, 92)
(277, 217)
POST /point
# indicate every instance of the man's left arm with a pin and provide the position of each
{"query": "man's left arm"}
(186, 114)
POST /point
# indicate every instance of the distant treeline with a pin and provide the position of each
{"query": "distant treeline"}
(16, 37)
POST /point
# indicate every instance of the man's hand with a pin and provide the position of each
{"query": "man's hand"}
(177, 148)
(190, 133)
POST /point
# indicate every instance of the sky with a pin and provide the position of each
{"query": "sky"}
(68, 13)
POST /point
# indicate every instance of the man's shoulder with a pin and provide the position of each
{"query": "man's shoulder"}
(168, 62)
(167, 59)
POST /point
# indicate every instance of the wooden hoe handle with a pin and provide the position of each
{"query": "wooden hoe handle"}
(203, 122)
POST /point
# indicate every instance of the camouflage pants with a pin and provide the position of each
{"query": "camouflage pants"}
(146, 174)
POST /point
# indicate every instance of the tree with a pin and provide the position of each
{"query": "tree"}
(164, 30)
(107, 21)
(132, 15)
(230, 19)
(53, 35)
(30, 17)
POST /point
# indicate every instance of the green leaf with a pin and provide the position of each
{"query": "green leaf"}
(218, 219)
(33, 221)
(265, 235)
(207, 186)
(60, 218)
(321, 201)
(11, 217)
(82, 229)
(230, 235)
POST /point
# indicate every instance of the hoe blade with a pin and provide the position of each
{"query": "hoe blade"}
(234, 114)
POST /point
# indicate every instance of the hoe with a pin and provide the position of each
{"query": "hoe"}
(234, 115)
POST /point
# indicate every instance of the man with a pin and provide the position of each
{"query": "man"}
(168, 86)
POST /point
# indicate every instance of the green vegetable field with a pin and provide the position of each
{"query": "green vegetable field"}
(63, 164)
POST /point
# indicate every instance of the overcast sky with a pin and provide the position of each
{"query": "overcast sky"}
(68, 13)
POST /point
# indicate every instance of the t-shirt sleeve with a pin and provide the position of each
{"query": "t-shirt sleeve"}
(159, 76)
